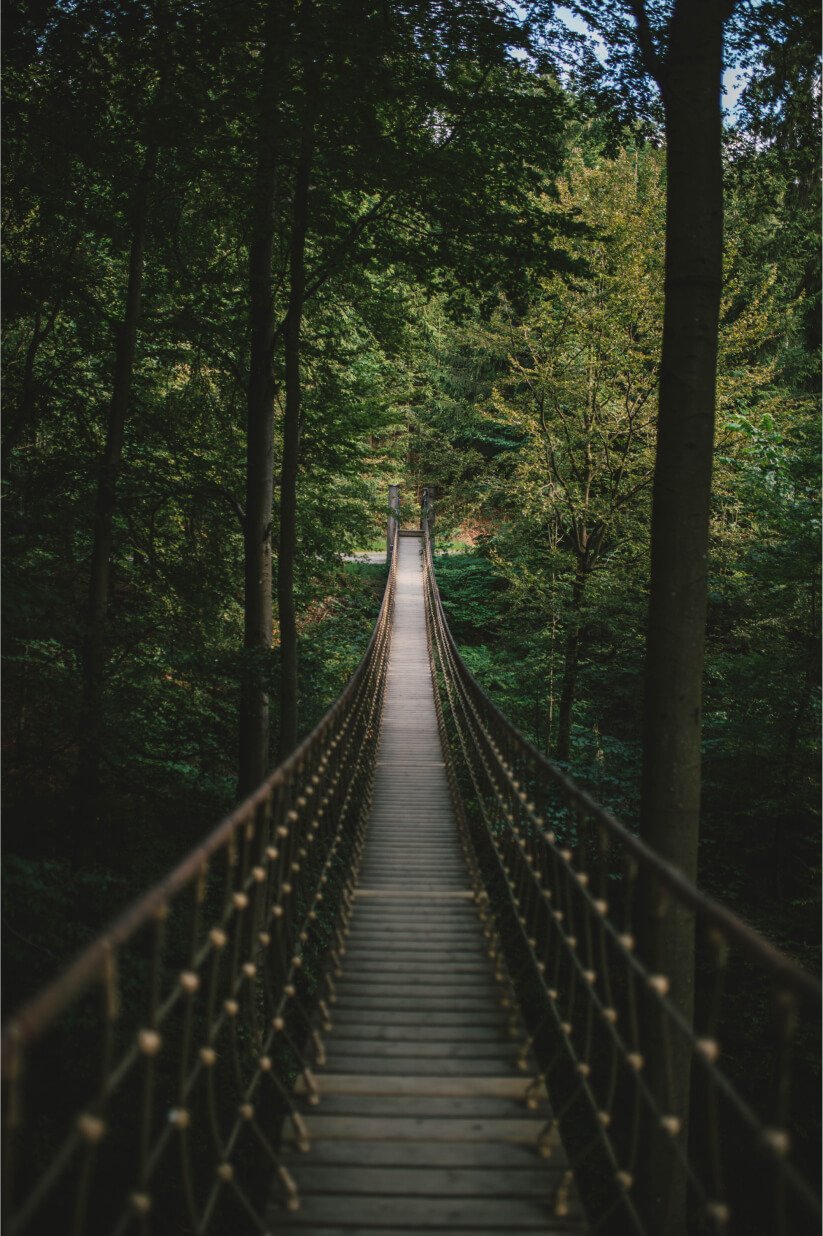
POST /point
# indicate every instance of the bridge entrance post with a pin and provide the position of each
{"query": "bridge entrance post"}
(394, 510)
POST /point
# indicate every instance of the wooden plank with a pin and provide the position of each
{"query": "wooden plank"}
(418, 1129)
(467, 1033)
(410, 1065)
(406, 910)
(386, 968)
(424, 1213)
(388, 1153)
(415, 897)
(495, 1049)
(400, 962)
(386, 854)
(437, 887)
(401, 938)
(392, 924)
(416, 894)
(472, 957)
(415, 1016)
(464, 1087)
(436, 963)
(444, 865)
(430, 1107)
(476, 946)
(333, 1229)
(443, 860)
(475, 950)
(439, 987)
(442, 900)
(427, 887)
(537, 1182)
(373, 978)
(405, 917)
(393, 951)
(419, 880)
(422, 1003)
(416, 959)
(386, 929)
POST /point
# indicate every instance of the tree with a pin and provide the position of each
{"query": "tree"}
(94, 641)
(582, 379)
(382, 173)
(253, 752)
(312, 66)
(688, 73)
(679, 47)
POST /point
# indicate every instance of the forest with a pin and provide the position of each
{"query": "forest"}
(465, 222)
(265, 258)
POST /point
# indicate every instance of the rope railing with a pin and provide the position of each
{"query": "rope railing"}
(145, 1089)
(575, 895)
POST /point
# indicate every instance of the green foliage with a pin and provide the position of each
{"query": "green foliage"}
(524, 501)
(483, 316)
(335, 637)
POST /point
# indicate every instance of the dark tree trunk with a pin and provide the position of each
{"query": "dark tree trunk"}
(93, 657)
(391, 524)
(571, 662)
(287, 545)
(690, 80)
(257, 640)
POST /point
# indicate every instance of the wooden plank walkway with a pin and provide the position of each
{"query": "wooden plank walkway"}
(422, 1124)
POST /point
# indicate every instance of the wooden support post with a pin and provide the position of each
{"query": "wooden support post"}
(394, 508)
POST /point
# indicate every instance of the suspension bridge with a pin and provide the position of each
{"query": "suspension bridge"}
(403, 988)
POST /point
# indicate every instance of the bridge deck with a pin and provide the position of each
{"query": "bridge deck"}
(422, 1125)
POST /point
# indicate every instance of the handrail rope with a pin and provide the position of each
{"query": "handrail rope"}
(453, 689)
(746, 938)
(631, 959)
(481, 731)
(750, 942)
(296, 838)
(495, 952)
(31, 1019)
(644, 1091)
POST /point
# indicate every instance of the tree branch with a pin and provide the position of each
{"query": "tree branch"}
(652, 61)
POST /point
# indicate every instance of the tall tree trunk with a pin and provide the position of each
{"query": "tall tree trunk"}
(679, 552)
(93, 657)
(554, 538)
(287, 545)
(257, 639)
(571, 661)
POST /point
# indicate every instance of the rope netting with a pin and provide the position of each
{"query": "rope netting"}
(672, 1122)
(146, 1088)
